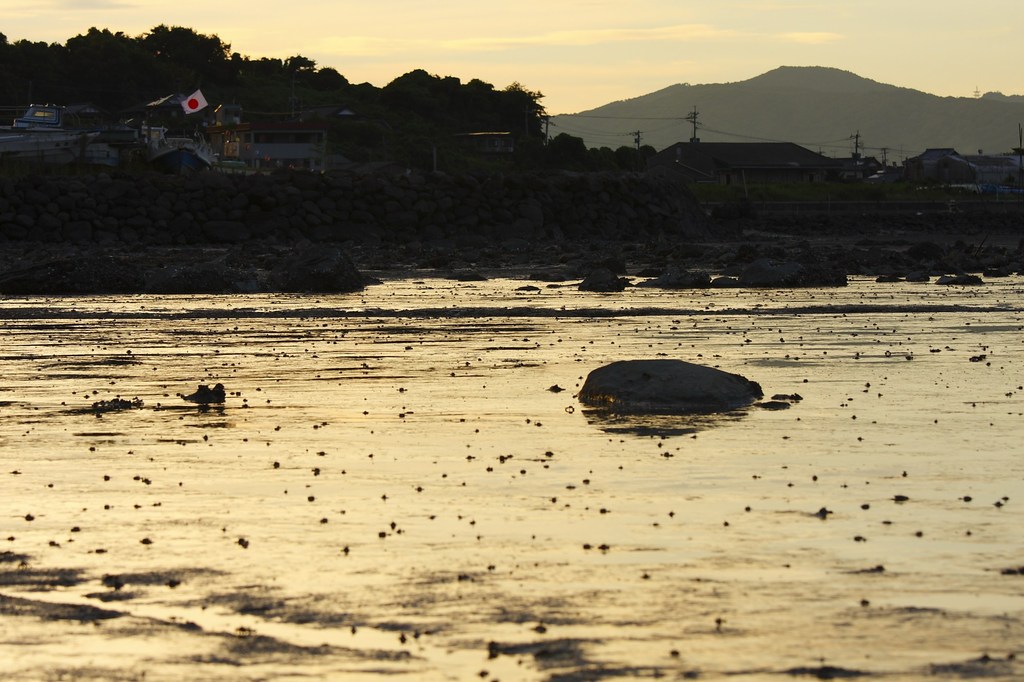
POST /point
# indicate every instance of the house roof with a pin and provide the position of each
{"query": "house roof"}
(329, 111)
(935, 154)
(854, 163)
(1000, 161)
(708, 157)
(501, 133)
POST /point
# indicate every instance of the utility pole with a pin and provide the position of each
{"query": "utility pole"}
(636, 139)
(692, 118)
(292, 99)
(856, 144)
(528, 110)
(1020, 161)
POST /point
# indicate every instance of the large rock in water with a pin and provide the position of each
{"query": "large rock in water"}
(666, 386)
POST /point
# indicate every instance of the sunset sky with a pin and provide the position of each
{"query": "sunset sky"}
(585, 53)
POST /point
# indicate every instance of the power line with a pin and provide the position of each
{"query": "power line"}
(625, 118)
(839, 143)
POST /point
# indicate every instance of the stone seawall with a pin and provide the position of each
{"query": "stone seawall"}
(289, 207)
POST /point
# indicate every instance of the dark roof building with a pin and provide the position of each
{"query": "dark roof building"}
(945, 165)
(729, 163)
(488, 143)
(857, 168)
(940, 164)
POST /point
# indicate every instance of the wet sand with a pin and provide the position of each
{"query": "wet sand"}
(392, 489)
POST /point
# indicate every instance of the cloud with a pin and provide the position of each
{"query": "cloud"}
(58, 12)
(364, 46)
(777, 6)
(375, 46)
(589, 37)
(74, 5)
(810, 37)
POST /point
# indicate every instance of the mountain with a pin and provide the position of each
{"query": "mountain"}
(820, 108)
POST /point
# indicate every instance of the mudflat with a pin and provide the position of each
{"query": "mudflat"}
(391, 487)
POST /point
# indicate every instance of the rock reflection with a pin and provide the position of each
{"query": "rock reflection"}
(659, 425)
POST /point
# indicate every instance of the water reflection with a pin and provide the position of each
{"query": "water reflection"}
(659, 425)
(391, 488)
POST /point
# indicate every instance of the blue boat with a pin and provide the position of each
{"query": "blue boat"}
(178, 155)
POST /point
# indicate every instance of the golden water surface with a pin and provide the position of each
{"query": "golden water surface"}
(392, 489)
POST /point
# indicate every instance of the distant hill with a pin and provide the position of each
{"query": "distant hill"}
(817, 107)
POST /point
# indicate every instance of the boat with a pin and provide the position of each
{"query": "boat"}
(38, 136)
(178, 155)
(58, 147)
(54, 134)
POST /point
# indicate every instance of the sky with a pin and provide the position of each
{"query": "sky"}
(582, 54)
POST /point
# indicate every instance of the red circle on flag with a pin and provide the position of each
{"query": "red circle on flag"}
(193, 103)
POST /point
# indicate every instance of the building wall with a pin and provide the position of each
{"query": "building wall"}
(775, 176)
(274, 148)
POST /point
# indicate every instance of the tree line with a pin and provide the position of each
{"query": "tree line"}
(413, 120)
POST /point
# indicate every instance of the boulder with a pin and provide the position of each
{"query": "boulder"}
(318, 269)
(226, 232)
(666, 387)
(960, 280)
(676, 277)
(766, 272)
(603, 280)
(200, 278)
(925, 252)
(725, 283)
(82, 274)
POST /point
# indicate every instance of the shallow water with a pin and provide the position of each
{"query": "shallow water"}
(392, 488)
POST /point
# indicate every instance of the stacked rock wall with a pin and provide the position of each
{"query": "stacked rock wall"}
(152, 209)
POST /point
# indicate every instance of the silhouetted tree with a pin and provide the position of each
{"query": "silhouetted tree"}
(119, 54)
(190, 58)
(326, 79)
(522, 110)
(568, 152)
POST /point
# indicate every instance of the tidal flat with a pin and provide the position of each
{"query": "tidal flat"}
(402, 484)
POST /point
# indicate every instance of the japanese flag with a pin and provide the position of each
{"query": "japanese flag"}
(194, 102)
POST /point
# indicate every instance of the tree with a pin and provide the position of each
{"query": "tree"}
(327, 79)
(522, 110)
(299, 64)
(568, 153)
(33, 71)
(190, 58)
(118, 54)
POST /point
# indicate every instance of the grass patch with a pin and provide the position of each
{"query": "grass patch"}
(826, 191)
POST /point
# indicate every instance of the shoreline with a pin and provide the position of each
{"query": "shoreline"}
(847, 248)
(239, 234)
